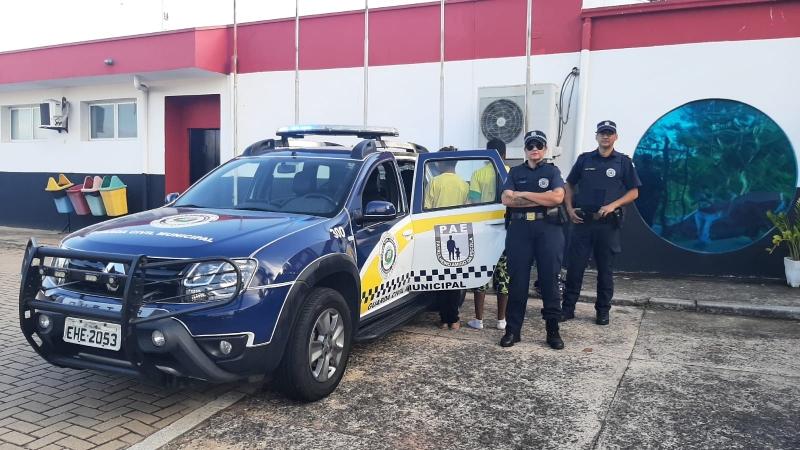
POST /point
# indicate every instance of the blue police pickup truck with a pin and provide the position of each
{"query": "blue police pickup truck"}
(272, 264)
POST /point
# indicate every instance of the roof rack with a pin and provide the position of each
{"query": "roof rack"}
(364, 148)
(410, 147)
(299, 131)
(269, 145)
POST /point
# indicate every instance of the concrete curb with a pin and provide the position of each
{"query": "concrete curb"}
(703, 306)
(191, 420)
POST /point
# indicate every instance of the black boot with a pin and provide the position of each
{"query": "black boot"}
(509, 339)
(567, 313)
(553, 338)
(602, 318)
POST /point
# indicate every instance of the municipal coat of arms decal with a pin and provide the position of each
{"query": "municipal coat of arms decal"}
(455, 244)
(388, 254)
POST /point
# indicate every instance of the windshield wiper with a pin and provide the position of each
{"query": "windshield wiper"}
(252, 208)
(189, 205)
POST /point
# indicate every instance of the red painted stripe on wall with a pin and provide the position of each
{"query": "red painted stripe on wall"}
(183, 49)
(266, 47)
(404, 36)
(332, 41)
(736, 22)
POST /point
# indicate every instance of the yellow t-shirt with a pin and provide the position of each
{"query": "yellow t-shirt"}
(447, 189)
(483, 185)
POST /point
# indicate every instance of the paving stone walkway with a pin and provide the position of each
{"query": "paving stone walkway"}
(46, 407)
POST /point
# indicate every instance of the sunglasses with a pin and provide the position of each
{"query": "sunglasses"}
(536, 145)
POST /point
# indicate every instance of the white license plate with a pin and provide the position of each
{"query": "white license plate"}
(92, 333)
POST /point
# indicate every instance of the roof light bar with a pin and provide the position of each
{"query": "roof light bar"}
(299, 131)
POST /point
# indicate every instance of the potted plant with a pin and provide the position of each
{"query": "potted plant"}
(788, 232)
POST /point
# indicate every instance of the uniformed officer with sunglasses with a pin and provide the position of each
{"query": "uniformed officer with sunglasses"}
(600, 183)
(531, 190)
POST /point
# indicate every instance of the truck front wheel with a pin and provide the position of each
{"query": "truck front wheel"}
(319, 347)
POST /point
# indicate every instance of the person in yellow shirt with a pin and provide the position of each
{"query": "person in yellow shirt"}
(447, 189)
(483, 185)
(483, 189)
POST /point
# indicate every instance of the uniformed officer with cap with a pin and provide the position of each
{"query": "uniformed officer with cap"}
(600, 183)
(530, 190)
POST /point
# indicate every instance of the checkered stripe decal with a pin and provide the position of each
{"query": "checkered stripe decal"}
(387, 288)
(453, 273)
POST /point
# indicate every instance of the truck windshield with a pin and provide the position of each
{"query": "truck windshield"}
(314, 185)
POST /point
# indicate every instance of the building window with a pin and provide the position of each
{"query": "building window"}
(113, 120)
(25, 121)
(710, 171)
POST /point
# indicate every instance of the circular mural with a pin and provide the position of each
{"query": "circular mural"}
(710, 171)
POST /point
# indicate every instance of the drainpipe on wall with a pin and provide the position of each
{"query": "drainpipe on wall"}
(528, 74)
(366, 60)
(235, 71)
(583, 87)
(297, 62)
(137, 84)
(441, 74)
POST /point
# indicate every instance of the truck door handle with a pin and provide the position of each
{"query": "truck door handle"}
(408, 234)
(497, 222)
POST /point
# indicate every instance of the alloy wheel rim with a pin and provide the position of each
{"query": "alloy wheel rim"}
(326, 345)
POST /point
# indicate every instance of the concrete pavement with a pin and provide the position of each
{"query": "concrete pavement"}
(652, 379)
(661, 375)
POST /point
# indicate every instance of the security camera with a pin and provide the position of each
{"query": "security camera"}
(138, 85)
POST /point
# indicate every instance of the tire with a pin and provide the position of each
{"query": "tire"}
(319, 347)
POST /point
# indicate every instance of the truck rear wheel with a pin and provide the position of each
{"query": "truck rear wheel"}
(319, 347)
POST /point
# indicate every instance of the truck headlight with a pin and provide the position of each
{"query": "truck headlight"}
(58, 275)
(216, 280)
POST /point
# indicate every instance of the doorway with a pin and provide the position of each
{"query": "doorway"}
(191, 138)
(203, 152)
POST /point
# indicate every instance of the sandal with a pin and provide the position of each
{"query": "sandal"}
(455, 326)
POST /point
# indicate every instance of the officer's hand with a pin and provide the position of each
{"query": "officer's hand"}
(606, 210)
(573, 216)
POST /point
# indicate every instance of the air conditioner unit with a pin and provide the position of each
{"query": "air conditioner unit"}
(54, 114)
(500, 115)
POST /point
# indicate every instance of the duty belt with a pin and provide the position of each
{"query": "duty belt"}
(530, 216)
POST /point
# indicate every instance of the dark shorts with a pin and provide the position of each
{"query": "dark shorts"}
(500, 279)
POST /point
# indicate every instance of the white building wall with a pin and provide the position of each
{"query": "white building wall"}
(75, 152)
(635, 87)
(332, 96)
(265, 103)
(406, 97)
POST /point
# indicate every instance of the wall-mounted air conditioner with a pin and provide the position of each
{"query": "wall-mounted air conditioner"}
(500, 115)
(54, 114)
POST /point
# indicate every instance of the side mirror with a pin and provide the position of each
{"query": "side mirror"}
(171, 197)
(378, 210)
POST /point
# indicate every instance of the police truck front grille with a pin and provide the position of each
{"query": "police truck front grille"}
(162, 283)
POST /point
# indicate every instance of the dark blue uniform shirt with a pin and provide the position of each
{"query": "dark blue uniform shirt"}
(544, 177)
(600, 180)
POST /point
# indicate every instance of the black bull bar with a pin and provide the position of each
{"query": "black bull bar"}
(133, 283)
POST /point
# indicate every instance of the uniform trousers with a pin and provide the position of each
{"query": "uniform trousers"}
(526, 242)
(600, 239)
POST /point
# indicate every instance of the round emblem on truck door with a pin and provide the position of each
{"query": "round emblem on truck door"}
(184, 220)
(388, 254)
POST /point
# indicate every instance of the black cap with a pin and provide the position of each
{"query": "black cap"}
(534, 136)
(607, 125)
